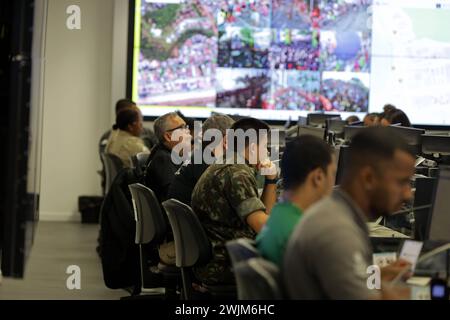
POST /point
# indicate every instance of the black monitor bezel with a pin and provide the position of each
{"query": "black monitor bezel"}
(314, 129)
(430, 136)
(129, 81)
(430, 217)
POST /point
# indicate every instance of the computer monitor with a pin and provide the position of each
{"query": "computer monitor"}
(422, 197)
(277, 142)
(436, 144)
(357, 123)
(412, 136)
(335, 126)
(439, 224)
(319, 119)
(314, 131)
(302, 121)
(277, 137)
(351, 131)
(343, 160)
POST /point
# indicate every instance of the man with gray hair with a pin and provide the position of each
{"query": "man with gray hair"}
(160, 169)
(187, 176)
(190, 172)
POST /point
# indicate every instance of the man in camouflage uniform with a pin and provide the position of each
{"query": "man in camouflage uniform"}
(226, 202)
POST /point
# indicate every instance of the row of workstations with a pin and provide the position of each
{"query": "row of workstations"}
(427, 217)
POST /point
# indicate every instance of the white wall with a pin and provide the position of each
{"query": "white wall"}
(77, 104)
(119, 52)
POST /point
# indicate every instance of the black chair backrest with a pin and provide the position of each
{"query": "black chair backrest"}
(139, 162)
(258, 279)
(241, 250)
(142, 158)
(112, 164)
(343, 161)
(192, 246)
(151, 225)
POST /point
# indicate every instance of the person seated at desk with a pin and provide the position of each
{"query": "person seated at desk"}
(329, 251)
(160, 170)
(125, 140)
(387, 108)
(352, 119)
(147, 135)
(396, 117)
(226, 201)
(372, 120)
(189, 173)
(308, 169)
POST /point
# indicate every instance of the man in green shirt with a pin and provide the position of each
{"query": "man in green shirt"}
(308, 169)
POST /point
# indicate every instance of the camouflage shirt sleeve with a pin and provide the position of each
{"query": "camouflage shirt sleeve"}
(242, 193)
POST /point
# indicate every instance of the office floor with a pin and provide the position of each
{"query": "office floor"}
(57, 246)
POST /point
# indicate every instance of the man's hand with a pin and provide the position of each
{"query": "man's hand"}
(395, 293)
(391, 271)
(268, 169)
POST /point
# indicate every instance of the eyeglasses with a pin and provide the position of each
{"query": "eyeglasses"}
(182, 127)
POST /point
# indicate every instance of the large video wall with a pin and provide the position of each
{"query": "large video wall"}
(278, 59)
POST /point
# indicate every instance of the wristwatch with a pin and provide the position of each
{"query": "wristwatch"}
(270, 181)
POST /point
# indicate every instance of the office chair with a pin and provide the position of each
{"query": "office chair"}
(241, 250)
(151, 230)
(143, 158)
(139, 162)
(192, 247)
(258, 279)
(112, 165)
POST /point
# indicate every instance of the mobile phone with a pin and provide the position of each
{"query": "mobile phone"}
(410, 252)
(439, 290)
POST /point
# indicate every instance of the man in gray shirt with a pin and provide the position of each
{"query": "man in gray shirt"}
(329, 252)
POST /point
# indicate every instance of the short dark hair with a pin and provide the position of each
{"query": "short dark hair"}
(248, 124)
(372, 146)
(126, 117)
(389, 108)
(352, 119)
(301, 156)
(398, 116)
(124, 104)
(372, 115)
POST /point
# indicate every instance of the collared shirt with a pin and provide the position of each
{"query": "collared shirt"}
(124, 145)
(329, 252)
(223, 198)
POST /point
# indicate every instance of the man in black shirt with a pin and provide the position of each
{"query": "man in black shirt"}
(189, 173)
(161, 169)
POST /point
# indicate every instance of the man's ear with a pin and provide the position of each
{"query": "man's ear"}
(167, 137)
(368, 177)
(317, 177)
(225, 142)
(253, 149)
